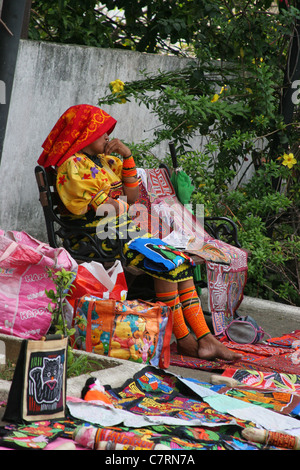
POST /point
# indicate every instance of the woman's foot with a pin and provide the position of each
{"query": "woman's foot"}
(208, 348)
(188, 346)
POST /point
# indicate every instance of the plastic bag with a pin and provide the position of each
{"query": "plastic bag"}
(23, 280)
(93, 279)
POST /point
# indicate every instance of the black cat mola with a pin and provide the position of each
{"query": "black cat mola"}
(46, 382)
(38, 389)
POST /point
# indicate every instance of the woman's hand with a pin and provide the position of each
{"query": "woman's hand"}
(117, 146)
(112, 207)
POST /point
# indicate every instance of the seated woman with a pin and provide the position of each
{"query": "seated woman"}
(88, 176)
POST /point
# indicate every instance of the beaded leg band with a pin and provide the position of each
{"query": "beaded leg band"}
(171, 299)
(193, 312)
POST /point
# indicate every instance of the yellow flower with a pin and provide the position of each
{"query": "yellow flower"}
(116, 86)
(257, 60)
(215, 98)
(224, 88)
(289, 160)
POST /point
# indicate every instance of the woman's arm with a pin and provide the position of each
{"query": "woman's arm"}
(129, 173)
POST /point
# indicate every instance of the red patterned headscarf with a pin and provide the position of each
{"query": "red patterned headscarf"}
(78, 127)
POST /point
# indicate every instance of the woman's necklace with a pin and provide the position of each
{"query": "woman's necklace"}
(94, 159)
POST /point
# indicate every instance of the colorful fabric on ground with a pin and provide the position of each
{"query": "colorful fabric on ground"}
(268, 373)
(259, 349)
(194, 362)
(151, 392)
(283, 354)
(273, 390)
(288, 363)
(276, 354)
(29, 436)
(259, 356)
(248, 360)
(163, 438)
(151, 398)
(155, 393)
(265, 380)
(288, 340)
(281, 402)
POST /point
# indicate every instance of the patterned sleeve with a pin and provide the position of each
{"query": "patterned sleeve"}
(116, 165)
(80, 185)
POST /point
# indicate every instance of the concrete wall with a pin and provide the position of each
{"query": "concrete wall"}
(48, 79)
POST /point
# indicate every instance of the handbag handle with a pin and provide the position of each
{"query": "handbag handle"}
(165, 357)
(88, 337)
(9, 250)
(52, 337)
(164, 360)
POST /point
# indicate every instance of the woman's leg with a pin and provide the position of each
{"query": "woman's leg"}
(208, 346)
(192, 309)
(167, 293)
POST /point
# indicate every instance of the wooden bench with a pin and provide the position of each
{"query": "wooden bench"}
(60, 233)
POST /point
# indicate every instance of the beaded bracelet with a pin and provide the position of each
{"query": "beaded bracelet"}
(131, 185)
(129, 168)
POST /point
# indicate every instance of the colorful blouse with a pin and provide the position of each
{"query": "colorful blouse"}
(83, 185)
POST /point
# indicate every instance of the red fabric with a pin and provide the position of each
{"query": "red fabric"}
(280, 354)
(78, 127)
(93, 395)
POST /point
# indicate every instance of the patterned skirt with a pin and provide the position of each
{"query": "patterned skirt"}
(126, 229)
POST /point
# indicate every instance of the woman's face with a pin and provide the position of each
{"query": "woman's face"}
(98, 146)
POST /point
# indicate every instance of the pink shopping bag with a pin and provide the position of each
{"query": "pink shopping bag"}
(23, 280)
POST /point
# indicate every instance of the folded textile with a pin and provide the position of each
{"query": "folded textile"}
(283, 402)
(277, 354)
(156, 398)
(158, 255)
(265, 380)
(261, 417)
(99, 414)
(281, 354)
(29, 436)
(151, 397)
